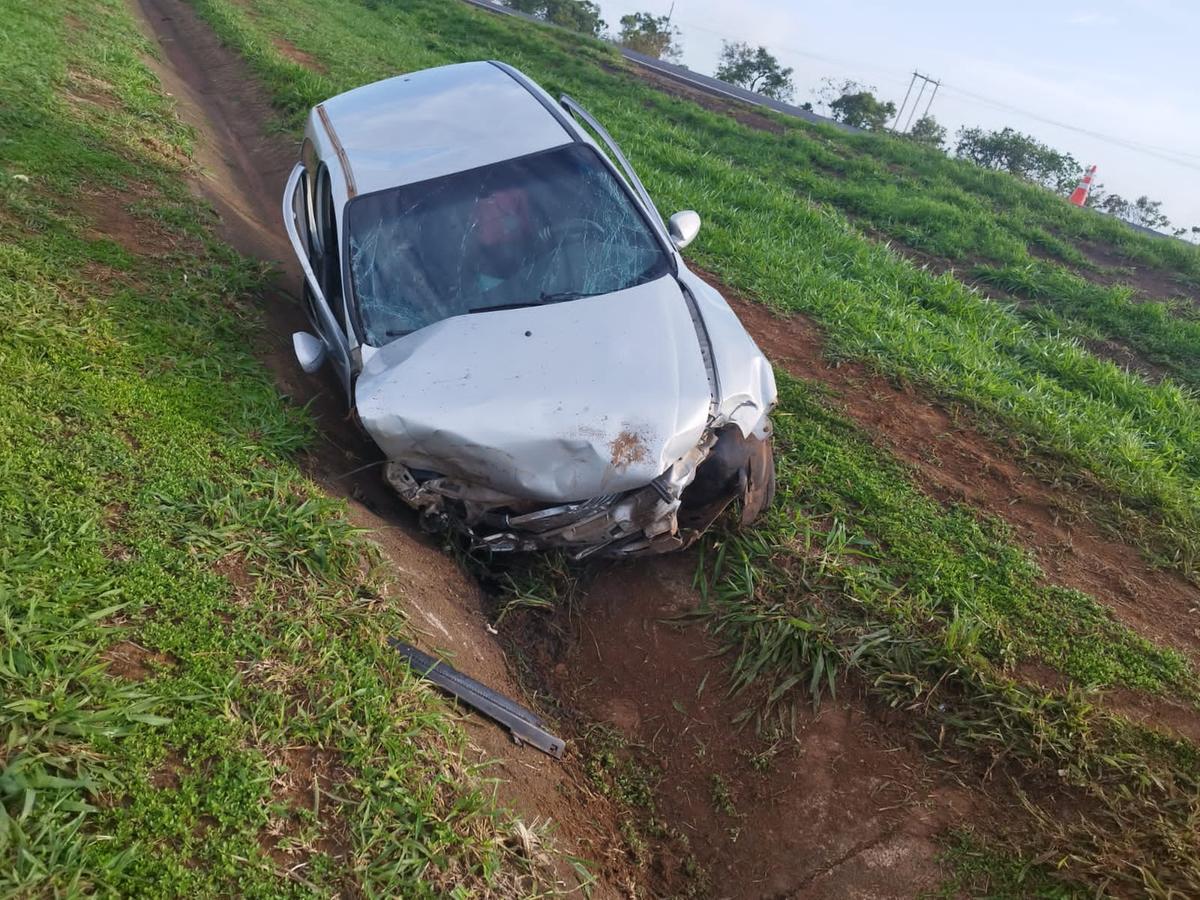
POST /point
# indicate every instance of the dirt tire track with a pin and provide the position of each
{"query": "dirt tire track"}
(242, 172)
(845, 807)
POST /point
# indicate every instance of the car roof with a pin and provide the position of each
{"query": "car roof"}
(438, 121)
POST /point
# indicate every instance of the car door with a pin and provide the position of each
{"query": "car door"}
(317, 250)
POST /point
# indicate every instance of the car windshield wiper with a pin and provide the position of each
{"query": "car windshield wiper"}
(563, 295)
(542, 300)
(526, 303)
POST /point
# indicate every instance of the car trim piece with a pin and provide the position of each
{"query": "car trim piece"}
(289, 223)
(351, 188)
(523, 80)
(524, 726)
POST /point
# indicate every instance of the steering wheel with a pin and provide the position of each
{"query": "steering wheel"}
(567, 246)
(583, 229)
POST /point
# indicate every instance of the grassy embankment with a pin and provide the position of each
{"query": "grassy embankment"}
(1003, 234)
(195, 695)
(857, 568)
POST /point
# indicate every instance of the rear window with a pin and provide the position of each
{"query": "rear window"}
(551, 227)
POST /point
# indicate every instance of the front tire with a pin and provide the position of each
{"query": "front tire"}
(738, 468)
(760, 481)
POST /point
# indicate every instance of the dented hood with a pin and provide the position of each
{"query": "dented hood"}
(551, 403)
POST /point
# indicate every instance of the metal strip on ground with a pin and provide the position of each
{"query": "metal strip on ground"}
(525, 726)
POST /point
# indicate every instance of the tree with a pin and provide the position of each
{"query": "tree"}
(652, 35)
(1149, 213)
(578, 15)
(831, 89)
(1113, 204)
(1142, 211)
(1096, 196)
(853, 103)
(862, 110)
(926, 130)
(756, 70)
(1008, 150)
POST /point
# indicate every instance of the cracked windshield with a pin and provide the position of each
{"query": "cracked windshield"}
(544, 228)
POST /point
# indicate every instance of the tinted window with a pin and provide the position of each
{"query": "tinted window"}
(544, 228)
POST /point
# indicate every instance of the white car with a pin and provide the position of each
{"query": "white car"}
(513, 323)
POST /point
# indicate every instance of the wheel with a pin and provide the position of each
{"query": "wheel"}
(760, 483)
(737, 468)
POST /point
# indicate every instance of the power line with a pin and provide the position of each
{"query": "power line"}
(925, 82)
(1171, 156)
(1182, 158)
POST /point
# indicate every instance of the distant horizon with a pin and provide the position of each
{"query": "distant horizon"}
(1040, 68)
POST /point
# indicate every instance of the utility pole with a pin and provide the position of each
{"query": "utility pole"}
(916, 103)
(926, 81)
(900, 112)
(936, 85)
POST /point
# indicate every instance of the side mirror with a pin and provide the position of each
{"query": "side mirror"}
(684, 226)
(310, 351)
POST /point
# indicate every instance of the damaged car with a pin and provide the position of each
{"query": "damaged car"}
(512, 321)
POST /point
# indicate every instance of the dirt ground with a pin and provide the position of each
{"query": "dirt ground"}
(1148, 283)
(846, 807)
(743, 112)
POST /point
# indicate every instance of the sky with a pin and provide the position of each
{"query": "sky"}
(1112, 82)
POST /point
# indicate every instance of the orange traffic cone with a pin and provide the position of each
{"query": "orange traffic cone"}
(1080, 194)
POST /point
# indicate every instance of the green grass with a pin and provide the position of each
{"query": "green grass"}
(919, 200)
(195, 694)
(922, 561)
(979, 870)
(856, 570)
(1038, 217)
(628, 776)
(1164, 334)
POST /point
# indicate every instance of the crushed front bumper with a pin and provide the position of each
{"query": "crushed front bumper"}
(667, 514)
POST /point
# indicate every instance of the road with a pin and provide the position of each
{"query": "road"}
(686, 76)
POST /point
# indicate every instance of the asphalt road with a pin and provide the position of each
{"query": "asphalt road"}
(684, 75)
